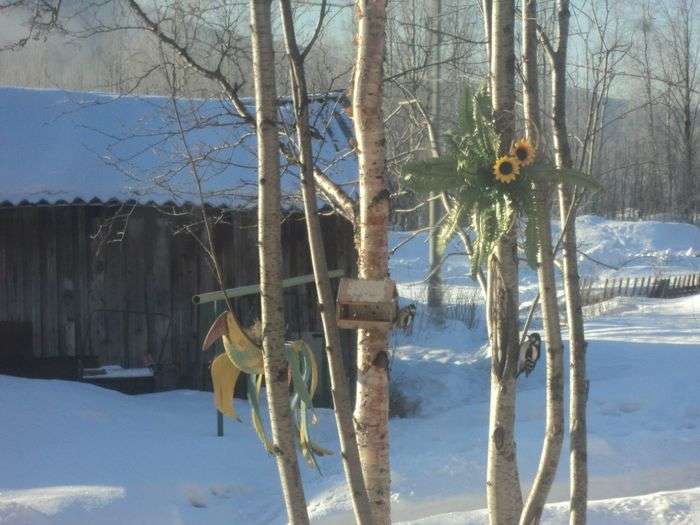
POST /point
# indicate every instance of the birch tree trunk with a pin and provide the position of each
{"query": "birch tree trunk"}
(340, 389)
(487, 13)
(270, 249)
(578, 384)
(503, 483)
(372, 400)
(554, 432)
(435, 281)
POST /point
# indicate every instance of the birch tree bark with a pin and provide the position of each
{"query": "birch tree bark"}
(372, 400)
(578, 384)
(435, 281)
(340, 389)
(270, 249)
(503, 483)
(554, 432)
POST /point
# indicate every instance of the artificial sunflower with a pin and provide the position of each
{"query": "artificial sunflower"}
(506, 169)
(524, 152)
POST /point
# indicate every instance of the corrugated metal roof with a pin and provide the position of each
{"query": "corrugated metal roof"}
(59, 147)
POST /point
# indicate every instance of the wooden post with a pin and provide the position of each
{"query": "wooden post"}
(605, 289)
(219, 424)
(619, 287)
(634, 286)
(627, 286)
(588, 291)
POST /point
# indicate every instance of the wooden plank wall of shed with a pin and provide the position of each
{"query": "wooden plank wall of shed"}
(124, 300)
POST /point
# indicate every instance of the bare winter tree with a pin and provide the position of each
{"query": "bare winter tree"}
(554, 432)
(577, 344)
(372, 401)
(270, 248)
(680, 68)
(502, 479)
(339, 382)
(39, 17)
(434, 284)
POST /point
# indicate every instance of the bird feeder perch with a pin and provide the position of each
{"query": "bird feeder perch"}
(365, 303)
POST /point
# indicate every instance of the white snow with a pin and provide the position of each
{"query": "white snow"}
(662, 508)
(117, 372)
(59, 146)
(73, 453)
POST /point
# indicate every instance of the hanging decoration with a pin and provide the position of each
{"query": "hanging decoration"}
(488, 190)
(243, 355)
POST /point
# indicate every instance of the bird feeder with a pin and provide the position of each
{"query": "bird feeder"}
(365, 303)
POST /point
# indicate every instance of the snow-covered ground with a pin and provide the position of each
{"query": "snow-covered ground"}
(73, 453)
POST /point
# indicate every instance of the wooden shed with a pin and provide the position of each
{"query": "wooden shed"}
(128, 301)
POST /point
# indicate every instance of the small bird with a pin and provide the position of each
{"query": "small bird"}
(529, 354)
(404, 318)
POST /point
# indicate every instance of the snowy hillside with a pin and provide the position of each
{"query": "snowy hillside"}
(606, 249)
(73, 453)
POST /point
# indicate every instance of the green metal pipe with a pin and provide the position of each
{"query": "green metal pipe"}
(252, 289)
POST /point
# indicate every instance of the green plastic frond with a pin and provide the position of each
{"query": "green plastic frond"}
(570, 176)
(437, 175)
(466, 113)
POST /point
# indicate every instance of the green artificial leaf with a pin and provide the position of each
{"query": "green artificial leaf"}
(482, 104)
(449, 225)
(568, 176)
(466, 114)
(436, 175)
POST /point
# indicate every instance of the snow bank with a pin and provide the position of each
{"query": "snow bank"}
(662, 508)
(621, 248)
(641, 248)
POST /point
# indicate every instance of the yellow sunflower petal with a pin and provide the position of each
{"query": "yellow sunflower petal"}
(506, 169)
(524, 152)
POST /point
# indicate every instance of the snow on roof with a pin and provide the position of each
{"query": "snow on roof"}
(63, 147)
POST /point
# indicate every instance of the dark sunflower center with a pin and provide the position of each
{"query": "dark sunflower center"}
(521, 153)
(506, 168)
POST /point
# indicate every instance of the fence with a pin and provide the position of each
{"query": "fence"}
(594, 291)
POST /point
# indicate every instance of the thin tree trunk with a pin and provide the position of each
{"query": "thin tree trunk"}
(688, 121)
(670, 168)
(651, 141)
(503, 483)
(487, 13)
(434, 281)
(372, 402)
(270, 248)
(340, 389)
(554, 433)
(578, 384)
